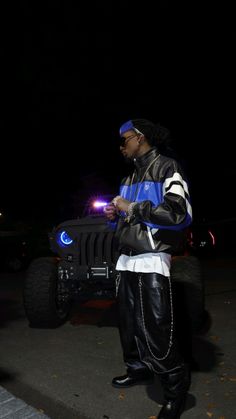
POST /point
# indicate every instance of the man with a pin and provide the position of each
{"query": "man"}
(153, 210)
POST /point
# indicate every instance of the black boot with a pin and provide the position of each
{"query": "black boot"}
(175, 386)
(144, 376)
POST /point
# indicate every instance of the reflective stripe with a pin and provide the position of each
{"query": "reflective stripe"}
(150, 238)
(189, 208)
(177, 190)
(176, 177)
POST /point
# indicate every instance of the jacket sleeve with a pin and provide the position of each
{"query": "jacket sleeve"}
(174, 208)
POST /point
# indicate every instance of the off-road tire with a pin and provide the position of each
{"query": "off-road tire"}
(39, 294)
(188, 285)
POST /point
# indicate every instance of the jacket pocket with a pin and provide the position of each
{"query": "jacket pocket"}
(134, 236)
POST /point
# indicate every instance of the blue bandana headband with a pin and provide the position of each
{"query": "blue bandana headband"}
(127, 126)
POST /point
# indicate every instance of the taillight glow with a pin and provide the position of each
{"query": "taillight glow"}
(212, 238)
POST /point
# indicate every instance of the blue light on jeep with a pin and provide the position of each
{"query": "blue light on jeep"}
(64, 239)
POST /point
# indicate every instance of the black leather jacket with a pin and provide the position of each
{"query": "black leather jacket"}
(162, 210)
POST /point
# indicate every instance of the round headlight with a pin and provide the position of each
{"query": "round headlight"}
(64, 239)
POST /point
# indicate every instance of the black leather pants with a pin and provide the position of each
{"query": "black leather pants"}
(146, 323)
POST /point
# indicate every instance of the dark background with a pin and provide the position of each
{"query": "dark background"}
(74, 72)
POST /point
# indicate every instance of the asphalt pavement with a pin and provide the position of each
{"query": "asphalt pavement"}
(66, 373)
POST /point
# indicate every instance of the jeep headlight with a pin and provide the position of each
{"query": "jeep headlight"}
(64, 239)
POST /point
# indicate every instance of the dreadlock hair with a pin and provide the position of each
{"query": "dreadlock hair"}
(155, 134)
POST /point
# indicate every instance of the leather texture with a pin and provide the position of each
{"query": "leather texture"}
(175, 386)
(145, 321)
(163, 204)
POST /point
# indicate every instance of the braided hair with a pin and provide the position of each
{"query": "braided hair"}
(155, 134)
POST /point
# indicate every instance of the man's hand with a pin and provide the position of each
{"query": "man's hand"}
(121, 204)
(110, 211)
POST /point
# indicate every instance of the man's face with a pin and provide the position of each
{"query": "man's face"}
(129, 146)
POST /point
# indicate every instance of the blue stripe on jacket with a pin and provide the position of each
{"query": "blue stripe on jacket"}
(153, 192)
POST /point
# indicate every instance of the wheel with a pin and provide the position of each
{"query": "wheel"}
(188, 289)
(46, 303)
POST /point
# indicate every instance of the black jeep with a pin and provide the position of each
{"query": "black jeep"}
(82, 266)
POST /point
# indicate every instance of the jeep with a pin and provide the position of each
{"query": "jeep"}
(82, 266)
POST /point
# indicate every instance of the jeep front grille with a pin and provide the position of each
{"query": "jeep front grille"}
(95, 248)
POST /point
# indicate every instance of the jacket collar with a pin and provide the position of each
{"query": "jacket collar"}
(146, 158)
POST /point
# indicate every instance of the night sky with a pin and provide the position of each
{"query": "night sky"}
(73, 73)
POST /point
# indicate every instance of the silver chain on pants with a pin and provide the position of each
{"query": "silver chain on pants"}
(144, 325)
(118, 278)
